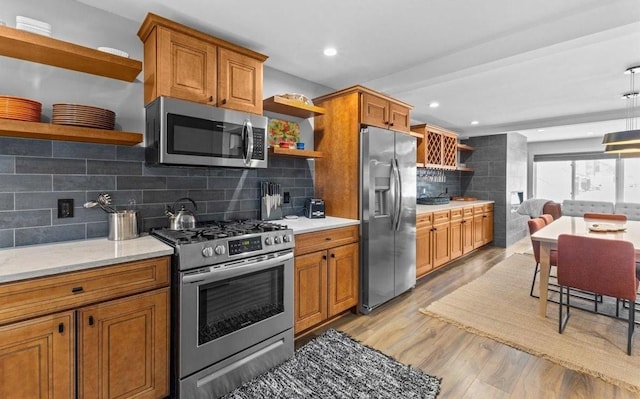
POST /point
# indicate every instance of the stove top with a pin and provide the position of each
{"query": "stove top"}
(214, 242)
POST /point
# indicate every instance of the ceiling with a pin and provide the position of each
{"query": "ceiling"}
(512, 65)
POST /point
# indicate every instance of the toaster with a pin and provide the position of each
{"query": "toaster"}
(314, 208)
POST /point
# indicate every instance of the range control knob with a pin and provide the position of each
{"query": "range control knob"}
(220, 250)
(207, 252)
(268, 241)
(286, 238)
(278, 240)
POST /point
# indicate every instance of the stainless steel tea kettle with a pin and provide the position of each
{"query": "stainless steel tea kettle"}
(182, 219)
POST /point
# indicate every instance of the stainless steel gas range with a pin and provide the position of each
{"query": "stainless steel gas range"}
(232, 306)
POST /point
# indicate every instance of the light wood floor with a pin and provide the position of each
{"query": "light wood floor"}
(470, 366)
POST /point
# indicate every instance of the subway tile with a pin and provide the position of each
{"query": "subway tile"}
(43, 235)
(186, 182)
(222, 206)
(242, 194)
(150, 170)
(127, 153)
(81, 215)
(119, 198)
(66, 149)
(221, 183)
(74, 183)
(141, 182)
(206, 195)
(7, 164)
(21, 183)
(47, 200)
(165, 196)
(27, 147)
(51, 166)
(96, 230)
(17, 219)
(6, 201)
(6, 238)
(114, 168)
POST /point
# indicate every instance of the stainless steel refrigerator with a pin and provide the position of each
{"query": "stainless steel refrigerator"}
(388, 215)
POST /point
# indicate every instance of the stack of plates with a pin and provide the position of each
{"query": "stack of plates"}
(114, 51)
(33, 25)
(20, 109)
(83, 115)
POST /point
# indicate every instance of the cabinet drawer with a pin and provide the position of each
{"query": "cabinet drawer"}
(456, 214)
(317, 241)
(478, 209)
(441, 217)
(424, 220)
(467, 212)
(488, 207)
(25, 299)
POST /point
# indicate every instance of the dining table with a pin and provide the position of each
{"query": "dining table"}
(599, 228)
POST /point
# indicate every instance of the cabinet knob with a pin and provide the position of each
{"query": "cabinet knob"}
(324, 257)
(76, 290)
(91, 320)
(333, 255)
(210, 98)
(390, 123)
(327, 239)
(224, 101)
(61, 328)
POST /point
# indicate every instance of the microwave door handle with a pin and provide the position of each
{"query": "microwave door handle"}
(247, 131)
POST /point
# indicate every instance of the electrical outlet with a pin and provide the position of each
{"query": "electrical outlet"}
(287, 197)
(65, 208)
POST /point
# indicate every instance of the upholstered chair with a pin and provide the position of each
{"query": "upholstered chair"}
(606, 267)
(535, 225)
(606, 216)
(547, 218)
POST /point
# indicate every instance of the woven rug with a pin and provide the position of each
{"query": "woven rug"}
(334, 365)
(497, 305)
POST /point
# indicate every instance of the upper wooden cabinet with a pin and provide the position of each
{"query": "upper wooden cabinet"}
(385, 112)
(437, 147)
(184, 63)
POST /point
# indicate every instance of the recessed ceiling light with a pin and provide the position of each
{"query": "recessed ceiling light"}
(474, 122)
(434, 104)
(541, 130)
(330, 51)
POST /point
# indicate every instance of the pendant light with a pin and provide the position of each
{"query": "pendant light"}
(627, 140)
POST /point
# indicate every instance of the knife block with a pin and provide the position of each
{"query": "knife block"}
(269, 208)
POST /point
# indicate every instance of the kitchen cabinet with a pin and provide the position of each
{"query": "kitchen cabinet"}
(384, 112)
(424, 237)
(184, 63)
(433, 245)
(337, 136)
(46, 50)
(461, 231)
(436, 147)
(482, 225)
(326, 276)
(121, 340)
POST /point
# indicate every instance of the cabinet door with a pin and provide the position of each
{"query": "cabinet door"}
(310, 285)
(123, 347)
(441, 244)
(399, 118)
(186, 68)
(456, 238)
(37, 358)
(487, 227)
(467, 235)
(239, 82)
(478, 230)
(375, 111)
(423, 244)
(433, 148)
(343, 278)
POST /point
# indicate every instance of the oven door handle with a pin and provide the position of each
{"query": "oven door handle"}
(213, 275)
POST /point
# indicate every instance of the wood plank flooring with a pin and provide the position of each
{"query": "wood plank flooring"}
(470, 366)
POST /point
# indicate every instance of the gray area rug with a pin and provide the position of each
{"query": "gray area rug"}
(334, 365)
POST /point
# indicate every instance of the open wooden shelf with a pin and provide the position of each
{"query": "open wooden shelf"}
(464, 147)
(464, 169)
(291, 152)
(48, 131)
(281, 105)
(46, 50)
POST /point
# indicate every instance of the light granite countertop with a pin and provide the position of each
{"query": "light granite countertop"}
(48, 259)
(306, 225)
(451, 205)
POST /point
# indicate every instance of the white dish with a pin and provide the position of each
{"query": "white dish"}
(114, 51)
(33, 22)
(33, 30)
(602, 227)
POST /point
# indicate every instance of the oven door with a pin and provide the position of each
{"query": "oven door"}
(225, 309)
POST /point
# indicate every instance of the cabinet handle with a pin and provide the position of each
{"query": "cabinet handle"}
(76, 290)
(327, 239)
(333, 255)
(324, 257)
(61, 328)
(224, 101)
(390, 123)
(210, 98)
(90, 320)
(484, 216)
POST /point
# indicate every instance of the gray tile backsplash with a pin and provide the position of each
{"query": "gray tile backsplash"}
(34, 174)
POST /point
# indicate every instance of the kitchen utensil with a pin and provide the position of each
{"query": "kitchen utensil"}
(123, 225)
(182, 219)
(271, 201)
(104, 200)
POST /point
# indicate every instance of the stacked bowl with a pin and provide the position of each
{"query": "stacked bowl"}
(20, 109)
(83, 115)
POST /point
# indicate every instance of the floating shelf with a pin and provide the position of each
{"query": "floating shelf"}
(46, 50)
(285, 106)
(465, 169)
(289, 152)
(48, 131)
(464, 147)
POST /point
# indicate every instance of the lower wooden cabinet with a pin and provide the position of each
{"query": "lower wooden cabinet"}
(443, 236)
(326, 279)
(37, 358)
(116, 342)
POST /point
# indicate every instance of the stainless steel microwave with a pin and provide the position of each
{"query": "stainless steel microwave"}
(180, 132)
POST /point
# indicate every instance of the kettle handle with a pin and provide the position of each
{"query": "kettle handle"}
(195, 207)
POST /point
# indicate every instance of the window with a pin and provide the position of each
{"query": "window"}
(631, 180)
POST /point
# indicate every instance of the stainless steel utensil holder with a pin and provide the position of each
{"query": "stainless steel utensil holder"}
(123, 225)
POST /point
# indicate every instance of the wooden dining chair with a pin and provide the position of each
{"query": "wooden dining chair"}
(606, 216)
(606, 267)
(535, 225)
(547, 218)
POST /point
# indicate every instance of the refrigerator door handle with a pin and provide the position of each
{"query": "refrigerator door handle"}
(397, 200)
